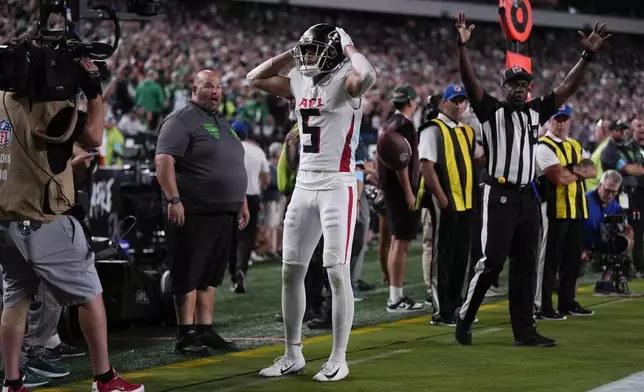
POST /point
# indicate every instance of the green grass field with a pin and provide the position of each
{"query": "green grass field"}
(387, 352)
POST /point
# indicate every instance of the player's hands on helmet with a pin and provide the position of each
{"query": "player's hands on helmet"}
(464, 31)
(596, 38)
(345, 39)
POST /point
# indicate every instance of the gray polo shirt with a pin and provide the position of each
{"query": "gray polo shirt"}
(210, 171)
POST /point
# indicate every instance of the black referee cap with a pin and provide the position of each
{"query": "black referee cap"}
(516, 72)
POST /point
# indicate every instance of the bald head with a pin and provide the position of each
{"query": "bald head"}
(206, 89)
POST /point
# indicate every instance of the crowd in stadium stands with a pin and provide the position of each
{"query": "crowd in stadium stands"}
(155, 62)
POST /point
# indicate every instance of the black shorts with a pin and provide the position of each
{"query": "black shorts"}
(200, 250)
(403, 223)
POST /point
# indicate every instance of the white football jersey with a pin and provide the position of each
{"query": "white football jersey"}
(329, 123)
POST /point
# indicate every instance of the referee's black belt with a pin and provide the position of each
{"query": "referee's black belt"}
(519, 188)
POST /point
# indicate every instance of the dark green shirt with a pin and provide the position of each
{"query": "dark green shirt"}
(210, 171)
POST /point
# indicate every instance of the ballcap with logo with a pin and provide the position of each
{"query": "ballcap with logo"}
(403, 93)
(516, 72)
(454, 90)
(564, 110)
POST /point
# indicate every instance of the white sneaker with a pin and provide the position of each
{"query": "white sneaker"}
(282, 366)
(332, 371)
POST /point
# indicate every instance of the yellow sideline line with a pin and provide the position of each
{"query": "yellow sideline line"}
(259, 351)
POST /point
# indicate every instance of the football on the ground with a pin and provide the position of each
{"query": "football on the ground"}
(393, 150)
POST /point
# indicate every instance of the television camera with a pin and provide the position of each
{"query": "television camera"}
(614, 256)
(44, 65)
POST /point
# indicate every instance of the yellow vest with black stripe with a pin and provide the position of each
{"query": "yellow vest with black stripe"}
(454, 167)
(566, 201)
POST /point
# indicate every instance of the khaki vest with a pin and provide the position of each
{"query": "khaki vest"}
(28, 187)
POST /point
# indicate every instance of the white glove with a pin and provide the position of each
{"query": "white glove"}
(345, 40)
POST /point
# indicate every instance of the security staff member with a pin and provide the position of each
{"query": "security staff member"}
(37, 222)
(446, 151)
(625, 157)
(510, 205)
(565, 166)
(200, 167)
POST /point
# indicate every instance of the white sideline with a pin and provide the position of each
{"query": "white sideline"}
(632, 383)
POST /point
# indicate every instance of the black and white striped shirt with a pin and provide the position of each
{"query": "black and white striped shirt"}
(510, 136)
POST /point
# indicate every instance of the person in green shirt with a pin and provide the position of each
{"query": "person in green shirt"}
(149, 96)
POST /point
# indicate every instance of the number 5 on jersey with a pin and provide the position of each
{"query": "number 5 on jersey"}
(313, 147)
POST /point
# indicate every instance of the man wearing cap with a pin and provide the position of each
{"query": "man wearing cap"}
(399, 190)
(446, 151)
(564, 165)
(510, 206)
(625, 157)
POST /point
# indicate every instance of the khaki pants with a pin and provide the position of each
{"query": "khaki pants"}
(427, 249)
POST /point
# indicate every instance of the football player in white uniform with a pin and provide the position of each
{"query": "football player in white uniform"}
(328, 81)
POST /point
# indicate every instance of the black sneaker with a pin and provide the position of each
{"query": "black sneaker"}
(64, 350)
(31, 379)
(46, 368)
(555, 316)
(404, 305)
(463, 332)
(214, 341)
(536, 340)
(240, 283)
(190, 345)
(578, 310)
(441, 322)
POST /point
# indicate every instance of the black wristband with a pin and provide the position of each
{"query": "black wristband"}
(588, 55)
(460, 43)
(90, 83)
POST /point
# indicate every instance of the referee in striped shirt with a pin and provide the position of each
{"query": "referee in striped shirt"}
(510, 206)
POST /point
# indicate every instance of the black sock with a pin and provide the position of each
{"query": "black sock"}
(13, 384)
(201, 329)
(185, 330)
(105, 377)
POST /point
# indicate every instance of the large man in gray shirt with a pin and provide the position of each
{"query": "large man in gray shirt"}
(200, 167)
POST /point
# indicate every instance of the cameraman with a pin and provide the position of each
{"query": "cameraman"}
(601, 203)
(41, 241)
(624, 156)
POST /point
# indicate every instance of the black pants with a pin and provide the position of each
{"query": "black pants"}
(452, 235)
(316, 280)
(563, 255)
(247, 238)
(510, 229)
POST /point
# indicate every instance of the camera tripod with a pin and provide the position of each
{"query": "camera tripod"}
(619, 279)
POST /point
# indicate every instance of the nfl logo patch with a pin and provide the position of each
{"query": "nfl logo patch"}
(457, 88)
(562, 107)
(5, 132)
(516, 69)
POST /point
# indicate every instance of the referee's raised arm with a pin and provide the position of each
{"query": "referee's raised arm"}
(510, 205)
